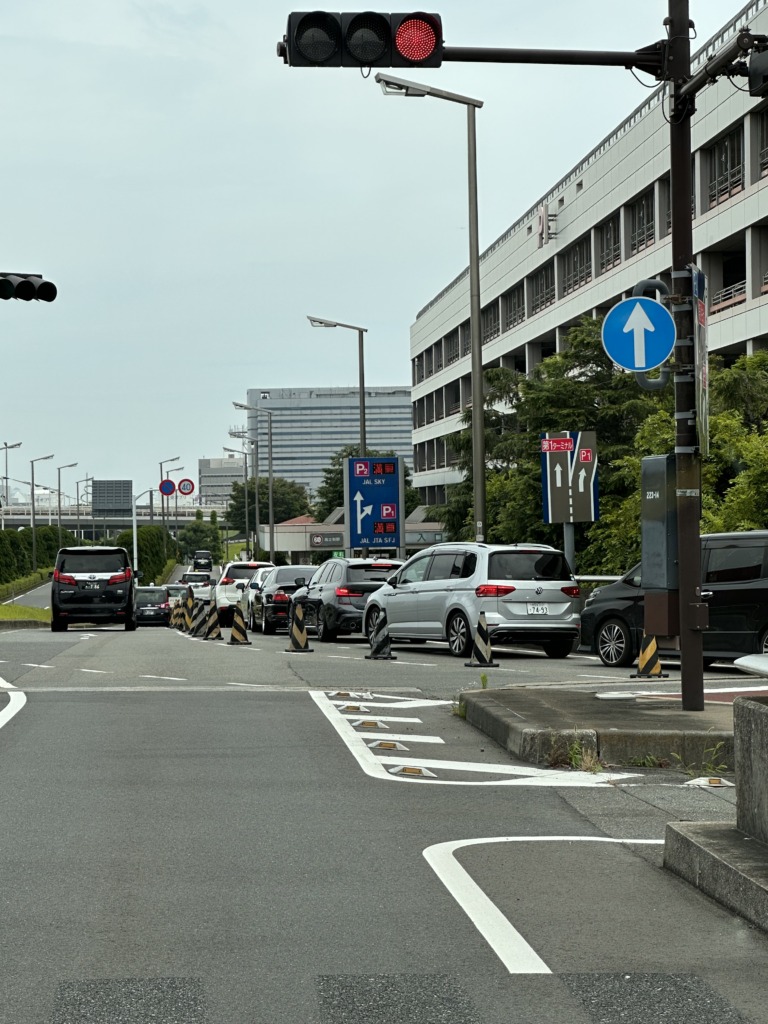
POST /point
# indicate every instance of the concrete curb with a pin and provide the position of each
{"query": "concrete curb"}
(538, 726)
(725, 863)
(8, 624)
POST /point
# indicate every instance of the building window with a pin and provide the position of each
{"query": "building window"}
(762, 144)
(466, 339)
(726, 167)
(452, 398)
(641, 223)
(452, 347)
(514, 307)
(418, 369)
(489, 319)
(609, 243)
(543, 288)
(438, 356)
(428, 367)
(577, 265)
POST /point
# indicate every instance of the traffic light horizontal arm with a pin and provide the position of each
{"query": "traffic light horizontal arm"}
(650, 59)
(717, 65)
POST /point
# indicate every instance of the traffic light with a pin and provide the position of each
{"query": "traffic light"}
(26, 287)
(363, 40)
(758, 73)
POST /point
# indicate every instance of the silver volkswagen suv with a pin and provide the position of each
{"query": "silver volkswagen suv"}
(527, 591)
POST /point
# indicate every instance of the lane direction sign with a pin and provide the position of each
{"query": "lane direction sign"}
(374, 502)
(639, 334)
(569, 480)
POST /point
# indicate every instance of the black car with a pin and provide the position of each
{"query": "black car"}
(95, 584)
(153, 606)
(336, 595)
(270, 605)
(202, 560)
(734, 577)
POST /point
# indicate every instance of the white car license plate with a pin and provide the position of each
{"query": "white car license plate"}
(91, 586)
(538, 609)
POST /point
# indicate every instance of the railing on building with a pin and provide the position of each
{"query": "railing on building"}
(730, 296)
(577, 278)
(642, 238)
(727, 184)
(543, 298)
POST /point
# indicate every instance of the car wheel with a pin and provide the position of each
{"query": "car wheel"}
(58, 625)
(459, 635)
(559, 648)
(267, 628)
(614, 644)
(324, 634)
(131, 624)
(371, 619)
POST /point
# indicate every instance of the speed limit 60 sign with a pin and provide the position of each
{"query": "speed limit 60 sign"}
(186, 486)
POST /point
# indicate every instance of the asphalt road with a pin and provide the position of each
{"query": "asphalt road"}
(198, 832)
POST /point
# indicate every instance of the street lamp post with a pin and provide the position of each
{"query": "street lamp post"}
(176, 469)
(317, 321)
(6, 492)
(69, 465)
(270, 483)
(398, 86)
(77, 499)
(254, 440)
(32, 462)
(135, 530)
(244, 453)
(162, 504)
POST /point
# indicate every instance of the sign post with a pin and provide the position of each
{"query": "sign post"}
(373, 503)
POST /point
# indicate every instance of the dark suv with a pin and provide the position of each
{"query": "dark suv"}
(92, 585)
(336, 594)
(202, 560)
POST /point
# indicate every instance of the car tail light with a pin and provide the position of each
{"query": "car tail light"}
(493, 590)
(226, 580)
(165, 605)
(120, 577)
(281, 596)
(346, 592)
(62, 577)
(571, 591)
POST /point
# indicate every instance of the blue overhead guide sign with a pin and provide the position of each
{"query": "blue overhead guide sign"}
(639, 334)
(373, 502)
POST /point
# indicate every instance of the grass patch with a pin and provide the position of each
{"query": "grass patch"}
(19, 612)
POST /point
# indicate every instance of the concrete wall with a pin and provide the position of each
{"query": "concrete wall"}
(750, 733)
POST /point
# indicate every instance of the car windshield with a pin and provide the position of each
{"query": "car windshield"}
(92, 563)
(528, 565)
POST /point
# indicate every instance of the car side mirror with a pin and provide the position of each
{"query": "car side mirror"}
(50, 575)
(139, 574)
(392, 581)
(239, 586)
(300, 581)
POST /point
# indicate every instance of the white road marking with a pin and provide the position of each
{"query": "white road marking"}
(171, 679)
(507, 943)
(16, 701)
(97, 671)
(30, 664)
(374, 766)
(406, 702)
(407, 737)
(382, 718)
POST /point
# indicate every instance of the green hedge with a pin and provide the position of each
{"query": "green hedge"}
(24, 583)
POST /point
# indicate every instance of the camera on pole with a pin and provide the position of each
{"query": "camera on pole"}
(26, 287)
(363, 40)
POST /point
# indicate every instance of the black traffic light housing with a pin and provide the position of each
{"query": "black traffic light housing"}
(26, 287)
(362, 39)
(758, 73)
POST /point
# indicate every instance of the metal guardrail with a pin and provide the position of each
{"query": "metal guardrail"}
(729, 296)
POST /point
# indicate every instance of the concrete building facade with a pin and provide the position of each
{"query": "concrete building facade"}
(591, 238)
(215, 478)
(309, 425)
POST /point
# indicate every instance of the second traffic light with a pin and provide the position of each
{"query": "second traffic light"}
(26, 287)
(367, 39)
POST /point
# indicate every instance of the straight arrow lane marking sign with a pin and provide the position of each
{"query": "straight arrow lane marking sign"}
(362, 511)
(638, 323)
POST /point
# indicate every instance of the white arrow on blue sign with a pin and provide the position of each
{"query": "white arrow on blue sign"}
(639, 334)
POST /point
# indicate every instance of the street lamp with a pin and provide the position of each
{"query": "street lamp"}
(162, 504)
(270, 484)
(32, 462)
(401, 87)
(6, 492)
(176, 469)
(69, 465)
(317, 321)
(135, 530)
(77, 499)
(244, 453)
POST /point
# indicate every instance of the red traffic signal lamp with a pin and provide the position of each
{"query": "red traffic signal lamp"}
(26, 287)
(365, 39)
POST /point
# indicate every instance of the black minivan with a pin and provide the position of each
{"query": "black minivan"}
(734, 574)
(94, 584)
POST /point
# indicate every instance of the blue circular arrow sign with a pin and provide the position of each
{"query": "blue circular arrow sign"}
(639, 334)
(167, 487)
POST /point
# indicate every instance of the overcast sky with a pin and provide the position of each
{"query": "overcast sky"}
(193, 198)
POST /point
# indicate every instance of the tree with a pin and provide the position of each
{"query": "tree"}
(330, 493)
(289, 500)
(150, 549)
(201, 536)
